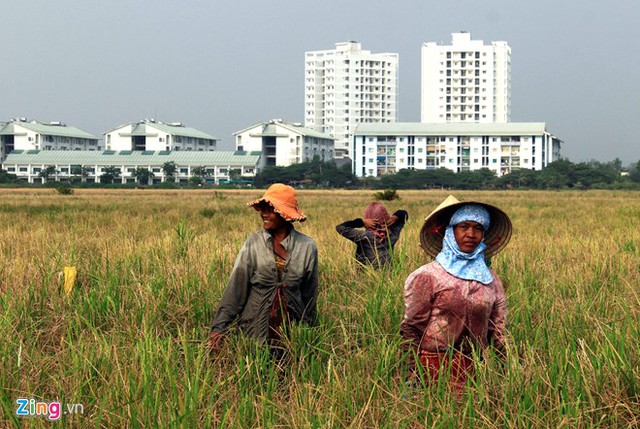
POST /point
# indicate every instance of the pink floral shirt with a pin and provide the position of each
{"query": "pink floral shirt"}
(442, 311)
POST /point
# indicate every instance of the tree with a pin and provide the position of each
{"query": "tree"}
(80, 170)
(169, 169)
(477, 179)
(47, 172)
(311, 173)
(634, 173)
(522, 178)
(7, 177)
(550, 178)
(109, 174)
(616, 165)
(198, 174)
(142, 175)
(235, 173)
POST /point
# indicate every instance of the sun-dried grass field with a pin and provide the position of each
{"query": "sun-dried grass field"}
(127, 341)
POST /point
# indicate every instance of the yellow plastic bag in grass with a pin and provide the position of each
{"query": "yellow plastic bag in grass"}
(69, 278)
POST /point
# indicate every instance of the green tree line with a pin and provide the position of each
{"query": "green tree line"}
(561, 174)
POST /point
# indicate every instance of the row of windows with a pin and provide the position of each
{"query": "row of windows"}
(330, 74)
(462, 81)
(465, 54)
(385, 160)
(368, 63)
(59, 139)
(464, 64)
(465, 99)
(514, 140)
(462, 72)
(89, 170)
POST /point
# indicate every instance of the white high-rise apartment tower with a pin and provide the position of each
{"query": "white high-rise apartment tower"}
(466, 81)
(346, 86)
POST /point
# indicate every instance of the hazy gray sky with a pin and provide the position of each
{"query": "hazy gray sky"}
(220, 66)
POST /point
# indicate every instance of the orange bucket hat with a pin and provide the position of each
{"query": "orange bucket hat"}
(283, 200)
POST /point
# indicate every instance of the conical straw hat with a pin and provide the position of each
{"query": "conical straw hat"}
(432, 233)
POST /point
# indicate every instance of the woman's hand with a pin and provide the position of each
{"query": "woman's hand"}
(370, 223)
(214, 342)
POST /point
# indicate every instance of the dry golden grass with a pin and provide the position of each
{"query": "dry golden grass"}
(127, 342)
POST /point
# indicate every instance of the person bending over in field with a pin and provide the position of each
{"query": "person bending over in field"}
(374, 243)
(456, 304)
(275, 276)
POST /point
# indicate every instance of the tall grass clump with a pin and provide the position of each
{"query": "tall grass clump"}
(387, 195)
(127, 341)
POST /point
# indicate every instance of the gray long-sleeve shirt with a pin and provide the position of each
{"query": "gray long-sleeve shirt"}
(250, 291)
(369, 248)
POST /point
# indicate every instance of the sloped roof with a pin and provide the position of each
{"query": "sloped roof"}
(146, 128)
(305, 131)
(46, 128)
(451, 129)
(180, 130)
(109, 157)
(270, 129)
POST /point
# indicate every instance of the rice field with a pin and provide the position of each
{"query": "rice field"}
(127, 341)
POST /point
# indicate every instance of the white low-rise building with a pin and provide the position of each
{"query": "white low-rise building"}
(88, 166)
(20, 134)
(150, 134)
(500, 147)
(283, 144)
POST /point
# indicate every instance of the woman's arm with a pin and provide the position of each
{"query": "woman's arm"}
(418, 296)
(348, 230)
(398, 219)
(309, 288)
(498, 320)
(236, 292)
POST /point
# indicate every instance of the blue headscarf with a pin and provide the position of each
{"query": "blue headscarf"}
(467, 266)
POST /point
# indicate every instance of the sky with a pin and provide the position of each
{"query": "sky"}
(221, 66)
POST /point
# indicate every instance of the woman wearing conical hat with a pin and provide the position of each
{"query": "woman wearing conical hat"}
(456, 303)
(275, 276)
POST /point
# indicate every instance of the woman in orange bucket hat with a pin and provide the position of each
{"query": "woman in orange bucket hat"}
(275, 276)
(456, 303)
